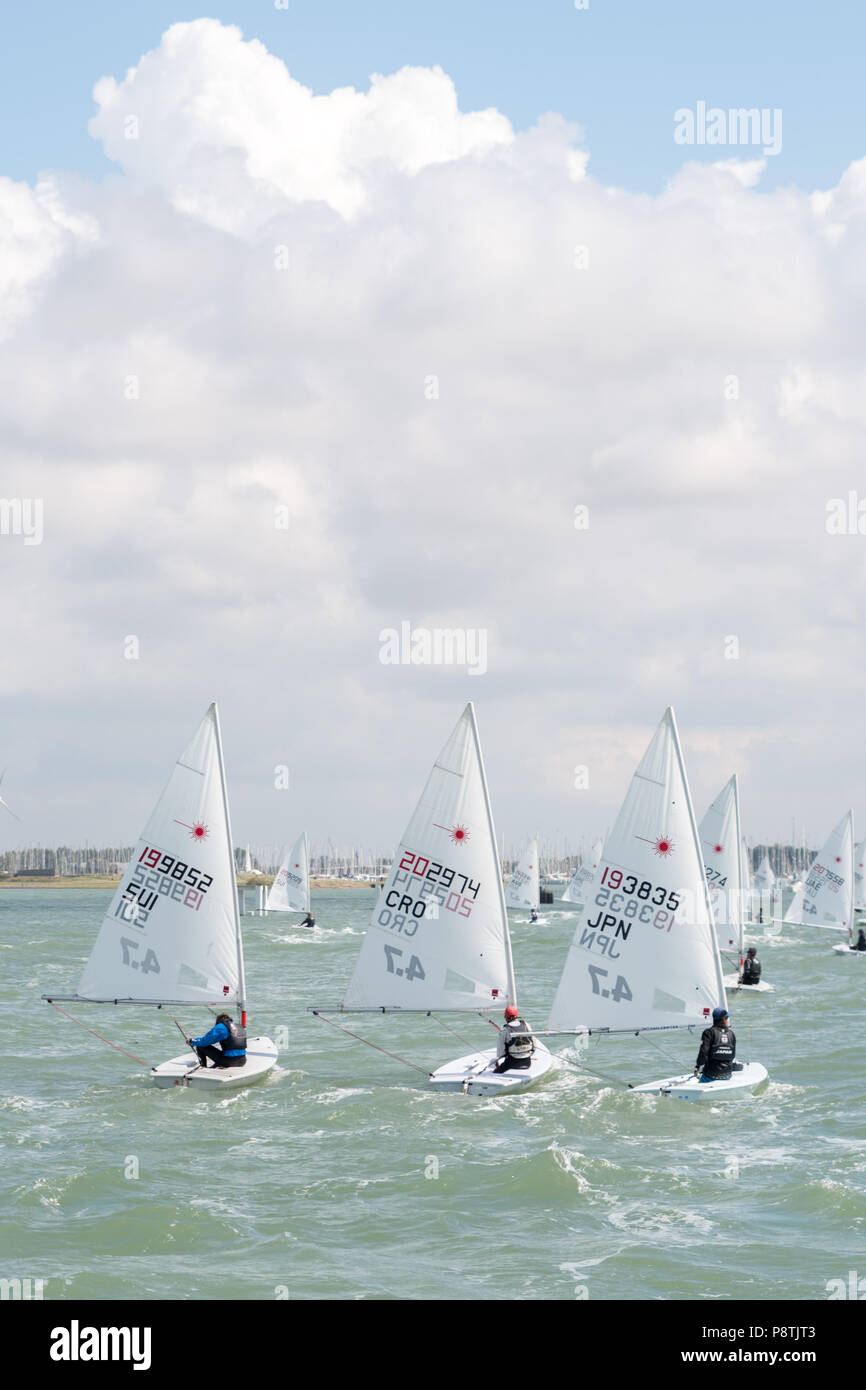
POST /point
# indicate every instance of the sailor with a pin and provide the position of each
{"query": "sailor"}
(718, 1050)
(225, 1044)
(860, 943)
(751, 968)
(516, 1044)
(533, 915)
(308, 921)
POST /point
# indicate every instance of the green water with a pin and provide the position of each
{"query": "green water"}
(321, 1182)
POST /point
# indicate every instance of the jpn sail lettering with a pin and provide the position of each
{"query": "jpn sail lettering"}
(620, 903)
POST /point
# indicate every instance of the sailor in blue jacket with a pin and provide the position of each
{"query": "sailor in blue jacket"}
(225, 1044)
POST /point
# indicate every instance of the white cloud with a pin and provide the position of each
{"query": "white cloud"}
(227, 134)
(422, 242)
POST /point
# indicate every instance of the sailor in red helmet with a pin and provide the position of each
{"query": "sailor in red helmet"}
(516, 1044)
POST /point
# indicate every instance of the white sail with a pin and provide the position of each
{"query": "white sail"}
(827, 896)
(583, 876)
(522, 889)
(645, 953)
(719, 833)
(172, 932)
(248, 861)
(290, 890)
(438, 937)
(764, 876)
(859, 876)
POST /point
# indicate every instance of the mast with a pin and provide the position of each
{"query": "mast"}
(739, 898)
(503, 911)
(852, 880)
(242, 992)
(697, 843)
(307, 870)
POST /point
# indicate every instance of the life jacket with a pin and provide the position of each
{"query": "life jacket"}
(751, 968)
(721, 1055)
(236, 1043)
(518, 1040)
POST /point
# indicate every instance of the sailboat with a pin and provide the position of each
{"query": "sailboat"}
(764, 883)
(438, 936)
(722, 847)
(522, 890)
(582, 877)
(172, 934)
(290, 890)
(826, 898)
(644, 957)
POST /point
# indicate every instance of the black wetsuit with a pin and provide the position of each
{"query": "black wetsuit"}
(860, 943)
(718, 1050)
(751, 971)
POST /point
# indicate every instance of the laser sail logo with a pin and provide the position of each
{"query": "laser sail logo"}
(76, 1343)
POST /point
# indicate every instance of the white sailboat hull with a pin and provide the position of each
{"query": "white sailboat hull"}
(733, 987)
(843, 949)
(474, 1073)
(688, 1087)
(187, 1071)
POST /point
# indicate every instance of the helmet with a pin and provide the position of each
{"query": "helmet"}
(719, 1014)
(511, 1012)
(751, 951)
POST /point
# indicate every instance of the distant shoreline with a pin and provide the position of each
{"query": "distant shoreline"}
(112, 880)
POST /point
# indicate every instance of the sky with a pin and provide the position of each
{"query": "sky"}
(321, 321)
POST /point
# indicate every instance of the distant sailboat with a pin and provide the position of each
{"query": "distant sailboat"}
(582, 877)
(290, 890)
(645, 956)
(764, 883)
(827, 895)
(438, 937)
(522, 890)
(722, 847)
(172, 935)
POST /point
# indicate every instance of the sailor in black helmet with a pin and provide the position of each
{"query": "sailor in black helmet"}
(225, 1044)
(751, 968)
(860, 943)
(718, 1050)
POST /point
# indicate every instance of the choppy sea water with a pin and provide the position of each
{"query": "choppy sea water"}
(342, 1176)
